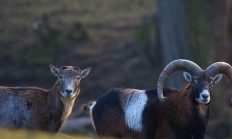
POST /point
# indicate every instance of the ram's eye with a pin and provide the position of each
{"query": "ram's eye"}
(194, 82)
(211, 85)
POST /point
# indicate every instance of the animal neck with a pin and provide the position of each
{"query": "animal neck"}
(198, 111)
(203, 110)
(185, 92)
(68, 104)
(59, 106)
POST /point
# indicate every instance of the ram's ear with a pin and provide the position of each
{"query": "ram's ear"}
(187, 76)
(217, 78)
(85, 72)
(55, 71)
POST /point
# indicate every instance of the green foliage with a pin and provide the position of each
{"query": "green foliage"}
(147, 29)
(147, 37)
(77, 32)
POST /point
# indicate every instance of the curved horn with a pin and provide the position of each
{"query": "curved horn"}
(220, 67)
(179, 64)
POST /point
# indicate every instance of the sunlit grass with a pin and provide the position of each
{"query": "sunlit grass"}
(22, 134)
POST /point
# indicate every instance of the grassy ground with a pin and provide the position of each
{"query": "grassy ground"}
(15, 134)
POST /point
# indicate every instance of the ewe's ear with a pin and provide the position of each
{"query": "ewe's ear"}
(187, 77)
(85, 72)
(217, 78)
(55, 71)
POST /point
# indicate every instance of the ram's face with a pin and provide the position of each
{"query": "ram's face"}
(201, 91)
(201, 87)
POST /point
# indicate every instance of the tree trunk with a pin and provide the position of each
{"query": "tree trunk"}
(220, 42)
(220, 28)
(197, 30)
(193, 29)
(173, 34)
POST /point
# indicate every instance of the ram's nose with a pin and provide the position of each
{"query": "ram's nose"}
(205, 96)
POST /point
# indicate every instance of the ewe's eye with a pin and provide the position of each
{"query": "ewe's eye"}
(77, 79)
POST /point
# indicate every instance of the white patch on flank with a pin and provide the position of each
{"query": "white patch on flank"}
(91, 115)
(134, 104)
(201, 99)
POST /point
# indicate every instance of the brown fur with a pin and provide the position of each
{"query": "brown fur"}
(164, 131)
(178, 106)
(36, 108)
(179, 111)
(87, 105)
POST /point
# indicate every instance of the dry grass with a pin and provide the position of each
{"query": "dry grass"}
(23, 134)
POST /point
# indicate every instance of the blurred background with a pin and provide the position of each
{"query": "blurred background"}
(126, 42)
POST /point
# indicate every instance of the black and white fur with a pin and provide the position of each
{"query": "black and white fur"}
(134, 113)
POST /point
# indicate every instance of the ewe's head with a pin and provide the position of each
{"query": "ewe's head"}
(69, 78)
(201, 81)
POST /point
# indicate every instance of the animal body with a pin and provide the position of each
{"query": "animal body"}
(134, 113)
(41, 109)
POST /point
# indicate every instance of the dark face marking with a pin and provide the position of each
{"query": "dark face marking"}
(201, 89)
(202, 92)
